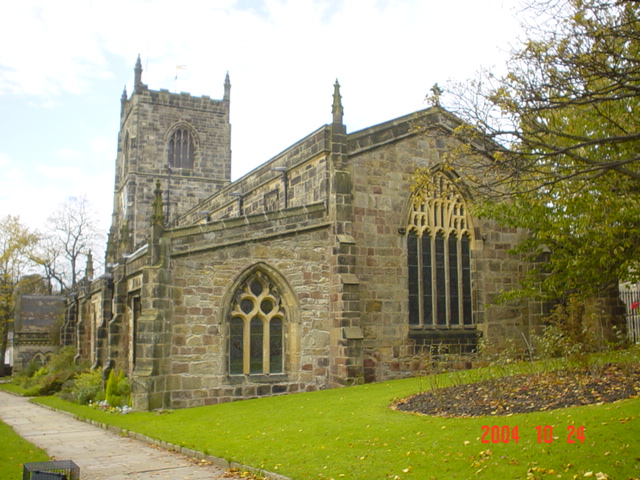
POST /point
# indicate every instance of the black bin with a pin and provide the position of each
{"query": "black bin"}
(54, 470)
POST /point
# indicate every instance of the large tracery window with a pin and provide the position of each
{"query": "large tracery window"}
(439, 258)
(256, 328)
(181, 149)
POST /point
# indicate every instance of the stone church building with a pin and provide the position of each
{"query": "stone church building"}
(315, 270)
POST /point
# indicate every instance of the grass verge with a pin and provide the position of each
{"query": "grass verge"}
(352, 433)
(15, 451)
(11, 387)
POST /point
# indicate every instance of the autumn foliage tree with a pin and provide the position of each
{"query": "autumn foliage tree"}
(34, 262)
(16, 244)
(559, 139)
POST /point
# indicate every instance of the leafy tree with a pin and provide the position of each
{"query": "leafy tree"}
(16, 244)
(560, 139)
(567, 107)
(589, 237)
(72, 235)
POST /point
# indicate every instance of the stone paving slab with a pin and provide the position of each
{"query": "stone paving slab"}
(99, 453)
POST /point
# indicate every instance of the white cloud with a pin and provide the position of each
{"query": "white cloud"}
(18, 195)
(34, 194)
(283, 57)
(46, 104)
(54, 47)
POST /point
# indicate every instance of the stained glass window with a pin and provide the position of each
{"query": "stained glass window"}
(256, 328)
(236, 346)
(439, 258)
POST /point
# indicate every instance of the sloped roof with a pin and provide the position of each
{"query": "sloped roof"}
(34, 312)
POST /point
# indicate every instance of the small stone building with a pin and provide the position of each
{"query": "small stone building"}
(36, 329)
(316, 270)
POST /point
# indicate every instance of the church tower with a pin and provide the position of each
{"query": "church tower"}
(181, 141)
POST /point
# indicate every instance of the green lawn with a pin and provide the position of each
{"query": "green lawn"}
(15, 451)
(11, 387)
(352, 433)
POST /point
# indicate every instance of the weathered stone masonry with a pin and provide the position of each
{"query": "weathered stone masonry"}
(293, 278)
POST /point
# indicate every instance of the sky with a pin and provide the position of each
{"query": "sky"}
(65, 63)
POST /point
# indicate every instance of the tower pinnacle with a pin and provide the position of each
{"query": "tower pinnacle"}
(137, 83)
(88, 271)
(227, 88)
(337, 110)
(123, 99)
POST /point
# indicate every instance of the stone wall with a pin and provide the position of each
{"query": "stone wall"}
(382, 162)
(203, 283)
(38, 353)
(497, 270)
(325, 221)
(148, 119)
(128, 280)
(295, 177)
(36, 328)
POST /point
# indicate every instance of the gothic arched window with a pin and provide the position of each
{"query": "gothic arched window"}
(439, 258)
(256, 328)
(181, 149)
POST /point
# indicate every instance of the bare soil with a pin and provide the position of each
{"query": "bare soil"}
(529, 393)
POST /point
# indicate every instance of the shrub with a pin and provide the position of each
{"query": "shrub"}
(50, 378)
(118, 390)
(20, 378)
(85, 388)
(112, 384)
(567, 333)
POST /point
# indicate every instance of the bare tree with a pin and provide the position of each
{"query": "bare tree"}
(48, 255)
(72, 235)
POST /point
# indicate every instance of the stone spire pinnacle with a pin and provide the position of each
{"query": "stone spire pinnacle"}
(123, 99)
(337, 110)
(227, 88)
(157, 225)
(88, 271)
(138, 74)
(157, 217)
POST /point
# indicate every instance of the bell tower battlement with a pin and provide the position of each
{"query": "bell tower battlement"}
(182, 141)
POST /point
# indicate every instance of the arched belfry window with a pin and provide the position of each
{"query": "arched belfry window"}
(439, 257)
(256, 328)
(181, 149)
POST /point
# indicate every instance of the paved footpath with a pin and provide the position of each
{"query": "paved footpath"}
(99, 453)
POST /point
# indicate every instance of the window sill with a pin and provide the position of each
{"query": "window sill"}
(257, 378)
(448, 340)
(444, 335)
(420, 328)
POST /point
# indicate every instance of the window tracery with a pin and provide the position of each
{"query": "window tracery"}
(256, 328)
(439, 258)
(181, 149)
